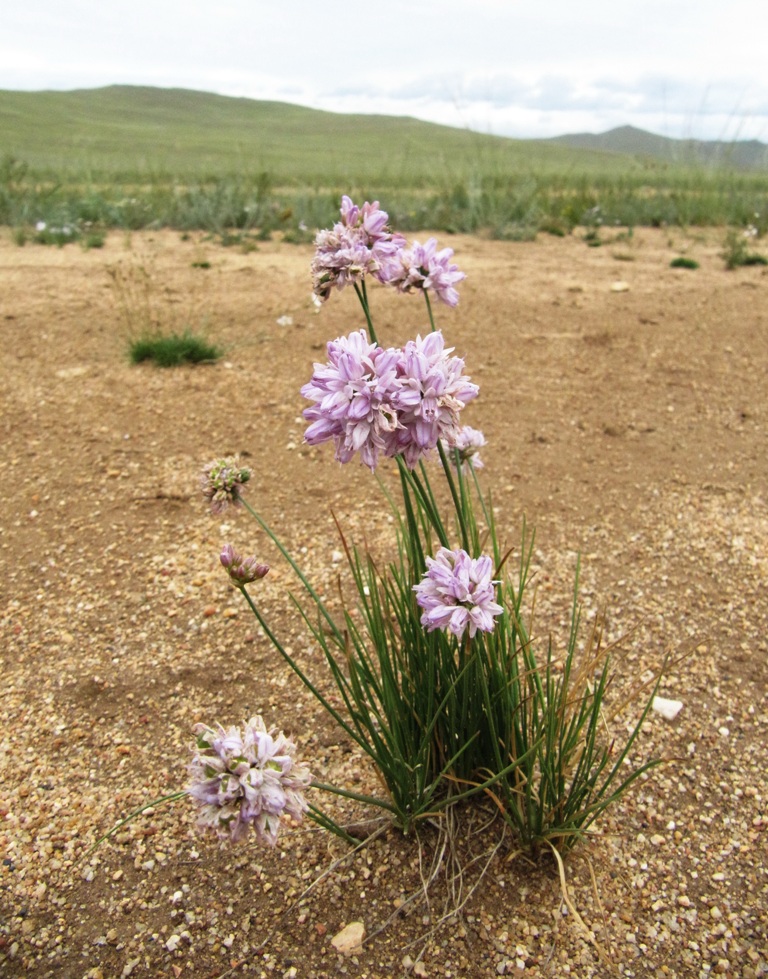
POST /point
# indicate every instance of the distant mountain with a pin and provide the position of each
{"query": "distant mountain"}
(630, 141)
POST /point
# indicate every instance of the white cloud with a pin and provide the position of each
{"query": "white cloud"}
(692, 67)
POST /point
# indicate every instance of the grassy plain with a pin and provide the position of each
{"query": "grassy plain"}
(131, 157)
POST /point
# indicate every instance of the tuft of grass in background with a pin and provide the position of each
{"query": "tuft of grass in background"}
(155, 326)
(736, 252)
(173, 350)
(681, 262)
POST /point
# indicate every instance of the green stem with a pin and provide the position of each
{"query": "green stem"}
(456, 503)
(325, 822)
(147, 805)
(299, 573)
(424, 492)
(356, 796)
(301, 675)
(362, 295)
(429, 312)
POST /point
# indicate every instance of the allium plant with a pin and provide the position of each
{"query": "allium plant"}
(436, 677)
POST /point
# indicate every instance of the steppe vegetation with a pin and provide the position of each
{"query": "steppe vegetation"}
(77, 163)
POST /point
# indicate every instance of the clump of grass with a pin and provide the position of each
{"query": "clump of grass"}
(514, 231)
(173, 349)
(93, 239)
(245, 242)
(156, 329)
(736, 251)
(58, 235)
(681, 262)
(555, 226)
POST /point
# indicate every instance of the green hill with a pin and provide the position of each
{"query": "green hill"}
(125, 128)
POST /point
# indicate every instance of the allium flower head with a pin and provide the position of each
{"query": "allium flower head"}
(222, 481)
(358, 245)
(244, 778)
(457, 592)
(468, 441)
(354, 399)
(433, 391)
(386, 401)
(423, 267)
(241, 570)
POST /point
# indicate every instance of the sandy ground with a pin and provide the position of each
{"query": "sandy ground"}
(625, 405)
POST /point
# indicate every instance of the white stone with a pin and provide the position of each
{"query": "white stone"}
(350, 938)
(669, 709)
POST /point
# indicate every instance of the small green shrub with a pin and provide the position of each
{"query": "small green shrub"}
(173, 350)
(555, 226)
(56, 235)
(93, 240)
(736, 252)
(681, 262)
(592, 238)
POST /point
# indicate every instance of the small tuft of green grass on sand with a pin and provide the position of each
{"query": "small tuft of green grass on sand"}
(681, 262)
(173, 350)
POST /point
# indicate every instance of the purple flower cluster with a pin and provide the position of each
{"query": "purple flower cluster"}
(393, 401)
(222, 482)
(361, 244)
(246, 778)
(241, 570)
(358, 245)
(423, 267)
(457, 592)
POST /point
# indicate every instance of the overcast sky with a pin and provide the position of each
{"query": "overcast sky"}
(681, 68)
